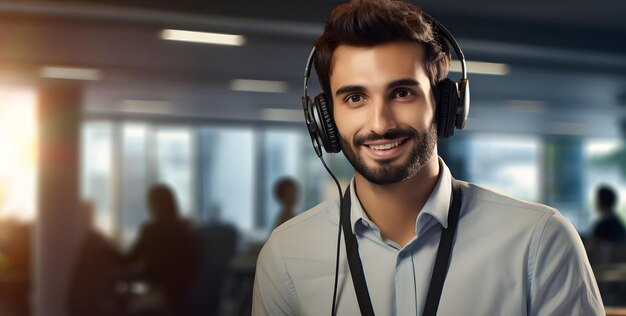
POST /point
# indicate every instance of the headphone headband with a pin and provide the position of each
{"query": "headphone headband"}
(307, 69)
(455, 45)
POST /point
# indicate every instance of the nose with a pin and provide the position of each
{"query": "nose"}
(382, 118)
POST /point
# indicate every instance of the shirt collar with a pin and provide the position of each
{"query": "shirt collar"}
(436, 206)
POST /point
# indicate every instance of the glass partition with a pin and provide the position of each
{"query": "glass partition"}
(506, 163)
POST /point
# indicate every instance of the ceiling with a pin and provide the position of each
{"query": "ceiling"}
(567, 59)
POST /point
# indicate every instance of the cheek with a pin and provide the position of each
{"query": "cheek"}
(419, 115)
(342, 122)
(350, 122)
(430, 108)
(429, 116)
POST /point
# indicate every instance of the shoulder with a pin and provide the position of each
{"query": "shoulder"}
(517, 221)
(481, 196)
(547, 221)
(311, 216)
(308, 225)
(294, 251)
(307, 236)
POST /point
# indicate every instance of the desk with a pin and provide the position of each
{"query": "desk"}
(612, 272)
(615, 311)
(240, 284)
(611, 278)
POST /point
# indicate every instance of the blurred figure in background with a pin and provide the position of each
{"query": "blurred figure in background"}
(92, 286)
(607, 247)
(609, 227)
(166, 257)
(15, 268)
(286, 192)
(219, 242)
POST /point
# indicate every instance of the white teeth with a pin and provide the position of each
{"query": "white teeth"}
(385, 147)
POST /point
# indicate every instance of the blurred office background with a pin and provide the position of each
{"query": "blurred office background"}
(99, 100)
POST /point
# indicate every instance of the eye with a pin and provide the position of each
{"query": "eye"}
(403, 93)
(355, 98)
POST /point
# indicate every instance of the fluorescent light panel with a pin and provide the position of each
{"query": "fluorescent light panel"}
(146, 106)
(566, 128)
(532, 106)
(481, 67)
(72, 73)
(259, 86)
(285, 115)
(202, 37)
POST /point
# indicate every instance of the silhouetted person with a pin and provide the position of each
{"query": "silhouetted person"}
(219, 240)
(609, 227)
(15, 268)
(286, 192)
(92, 287)
(166, 254)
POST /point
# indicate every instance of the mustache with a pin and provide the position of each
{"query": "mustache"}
(392, 134)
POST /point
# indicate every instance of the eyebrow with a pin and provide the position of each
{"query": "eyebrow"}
(349, 89)
(403, 82)
(391, 85)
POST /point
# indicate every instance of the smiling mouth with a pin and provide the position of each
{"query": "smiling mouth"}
(386, 146)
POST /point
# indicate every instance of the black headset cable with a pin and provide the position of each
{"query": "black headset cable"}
(334, 310)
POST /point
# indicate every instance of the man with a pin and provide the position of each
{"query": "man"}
(381, 63)
(610, 227)
(286, 193)
(166, 256)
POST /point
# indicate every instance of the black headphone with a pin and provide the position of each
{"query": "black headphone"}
(453, 102)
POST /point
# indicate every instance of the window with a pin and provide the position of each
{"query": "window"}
(604, 159)
(218, 173)
(175, 164)
(18, 153)
(117, 174)
(228, 158)
(283, 156)
(507, 164)
(289, 153)
(97, 173)
(134, 180)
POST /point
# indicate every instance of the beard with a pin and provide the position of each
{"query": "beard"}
(390, 171)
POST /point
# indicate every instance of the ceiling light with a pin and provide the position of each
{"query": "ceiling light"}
(72, 73)
(258, 85)
(286, 115)
(525, 106)
(480, 67)
(566, 128)
(146, 106)
(202, 37)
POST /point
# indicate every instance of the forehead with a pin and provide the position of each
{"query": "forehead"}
(368, 64)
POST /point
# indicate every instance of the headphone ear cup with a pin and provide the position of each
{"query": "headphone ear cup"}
(446, 107)
(326, 124)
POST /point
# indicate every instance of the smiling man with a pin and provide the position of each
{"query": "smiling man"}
(418, 242)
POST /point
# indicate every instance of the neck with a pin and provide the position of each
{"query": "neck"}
(394, 207)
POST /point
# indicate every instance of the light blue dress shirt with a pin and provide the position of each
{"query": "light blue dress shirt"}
(510, 257)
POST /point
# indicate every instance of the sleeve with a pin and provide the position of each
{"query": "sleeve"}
(561, 279)
(274, 293)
